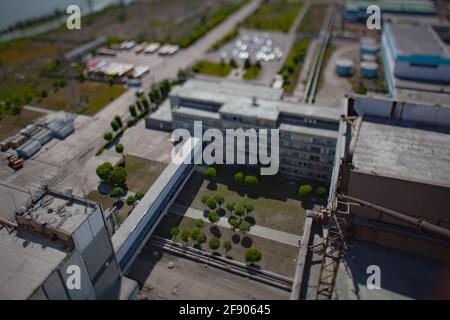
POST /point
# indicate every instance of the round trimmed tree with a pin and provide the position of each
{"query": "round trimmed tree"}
(104, 170)
(234, 222)
(117, 192)
(253, 255)
(239, 177)
(210, 173)
(211, 203)
(305, 190)
(219, 199)
(214, 243)
(118, 176)
(213, 217)
(251, 181)
(321, 192)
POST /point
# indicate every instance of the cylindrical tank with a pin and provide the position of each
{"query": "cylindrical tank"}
(369, 70)
(370, 49)
(344, 67)
(369, 58)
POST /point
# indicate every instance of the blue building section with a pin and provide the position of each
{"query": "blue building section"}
(414, 53)
(356, 10)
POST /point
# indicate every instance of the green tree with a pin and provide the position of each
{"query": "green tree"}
(219, 199)
(239, 177)
(199, 223)
(139, 105)
(119, 121)
(195, 232)
(118, 176)
(174, 232)
(210, 173)
(253, 255)
(233, 63)
(114, 125)
(117, 192)
(133, 111)
(247, 63)
(104, 171)
(321, 192)
(145, 104)
(214, 243)
(305, 190)
(251, 181)
(108, 136)
(204, 200)
(211, 203)
(234, 222)
(213, 217)
(240, 211)
(185, 234)
(131, 201)
(201, 238)
(154, 95)
(248, 206)
(139, 195)
(244, 226)
(119, 149)
(230, 206)
(164, 87)
(227, 246)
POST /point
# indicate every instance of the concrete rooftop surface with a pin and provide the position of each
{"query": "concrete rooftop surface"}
(407, 153)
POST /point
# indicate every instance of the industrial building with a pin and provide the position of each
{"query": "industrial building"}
(52, 235)
(308, 134)
(416, 63)
(388, 206)
(356, 10)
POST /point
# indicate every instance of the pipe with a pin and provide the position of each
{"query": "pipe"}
(421, 225)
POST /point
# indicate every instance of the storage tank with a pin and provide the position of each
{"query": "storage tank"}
(369, 58)
(344, 67)
(370, 49)
(369, 70)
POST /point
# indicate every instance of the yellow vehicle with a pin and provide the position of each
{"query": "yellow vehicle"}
(15, 162)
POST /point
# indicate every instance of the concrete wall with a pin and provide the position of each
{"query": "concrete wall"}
(415, 199)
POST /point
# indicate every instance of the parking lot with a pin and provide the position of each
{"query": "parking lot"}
(269, 48)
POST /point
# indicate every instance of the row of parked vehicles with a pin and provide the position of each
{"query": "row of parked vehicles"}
(150, 48)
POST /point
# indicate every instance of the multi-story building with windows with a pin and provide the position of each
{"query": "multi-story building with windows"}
(308, 133)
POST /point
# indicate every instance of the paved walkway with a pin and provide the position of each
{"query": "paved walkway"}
(256, 230)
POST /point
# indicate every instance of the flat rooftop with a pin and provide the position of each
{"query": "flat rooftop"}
(26, 262)
(239, 100)
(59, 211)
(404, 152)
(417, 40)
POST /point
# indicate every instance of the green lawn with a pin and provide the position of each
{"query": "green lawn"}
(275, 200)
(276, 257)
(142, 173)
(212, 68)
(274, 15)
(108, 202)
(294, 63)
(251, 73)
(12, 124)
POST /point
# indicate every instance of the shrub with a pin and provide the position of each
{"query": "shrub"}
(213, 217)
(251, 181)
(114, 125)
(253, 255)
(244, 226)
(239, 177)
(248, 206)
(214, 243)
(321, 191)
(240, 211)
(131, 200)
(195, 232)
(201, 238)
(185, 234)
(133, 112)
(219, 199)
(139, 195)
(108, 136)
(231, 205)
(118, 176)
(174, 232)
(227, 245)
(104, 170)
(210, 173)
(199, 223)
(211, 203)
(234, 222)
(305, 190)
(117, 192)
(119, 121)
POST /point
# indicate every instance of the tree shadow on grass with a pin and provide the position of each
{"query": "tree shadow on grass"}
(215, 231)
(250, 220)
(119, 204)
(246, 242)
(236, 238)
(105, 187)
(222, 212)
(212, 186)
(307, 204)
(198, 246)
(205, 214)
(217, 254)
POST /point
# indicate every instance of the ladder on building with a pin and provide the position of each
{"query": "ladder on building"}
(333, 247)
